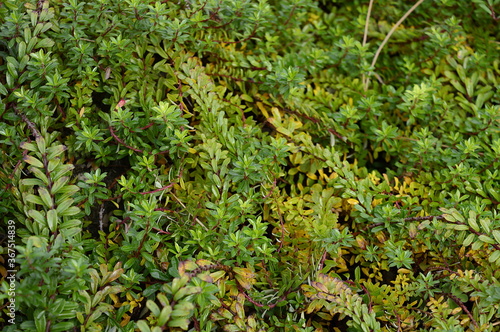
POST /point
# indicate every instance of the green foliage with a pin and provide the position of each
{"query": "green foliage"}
(250, 165)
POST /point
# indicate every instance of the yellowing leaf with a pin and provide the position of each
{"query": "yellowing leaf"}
(404, 271)
(362, 243)
(217, 275)
(312, 176)
(32, 161)
(245, 277)
(319, 286)
(206, 277)
(115, 300)
(246, 97)
(186, 266)
(125, 321)
(262, 109)
(204, 262)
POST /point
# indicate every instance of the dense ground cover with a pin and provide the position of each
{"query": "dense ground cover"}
(250, 165)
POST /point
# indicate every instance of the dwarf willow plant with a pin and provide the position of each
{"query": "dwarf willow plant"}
(250, 165)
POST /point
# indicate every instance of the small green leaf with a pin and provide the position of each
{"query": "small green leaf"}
(80, 317)
(476, 245)
(55, 151)
(458, 86)
(164, 315)
(38, 216)
(494, 256)
(28, 146)
(46, 42)
(155, 310)
(42, 145)
(486, 239)
(182, 309)
(183, 292)
(52, 219)
(33, 199)
(40, 321)
(53, 163)
(12, 70)
(246, 97)
(472, 221)
(32, 182)
(182, 323)
(469, 86)
(40, 174)
(3, 90)
(457, 216)
(59, 184)
(70, 212)
(61, 170)
(496, 235)
(494, 193)
(460, 227)
(9, 80)
(45, 196)
(33, 161)
(21, 49)
(461, 72)
(143, 326)
(70, 224)
(101, 309)
(69, 189)
(485, 224)
(469, 239)
(64, 205)
(482, 98)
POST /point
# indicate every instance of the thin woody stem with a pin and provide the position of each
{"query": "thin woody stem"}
(375, 58)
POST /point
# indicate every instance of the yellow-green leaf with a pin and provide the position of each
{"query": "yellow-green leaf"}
(45, 196)
(460, 227)
(40, 174)
(55, 151)
(153, 307)
(186, 266)
(40, 142)
(319, 286)
(33, 161)
(182, 323)
(204, 262)
(469, 239)
(58, 184)
(472, 221)
(164, 315)
(52, 219)
(143, 326)
(246, 97)
(38, 216)
(496, 235)
(28, 146)
(33, 199)
(71, 211)
(494, 256)
(32, 182)
(486, 239)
